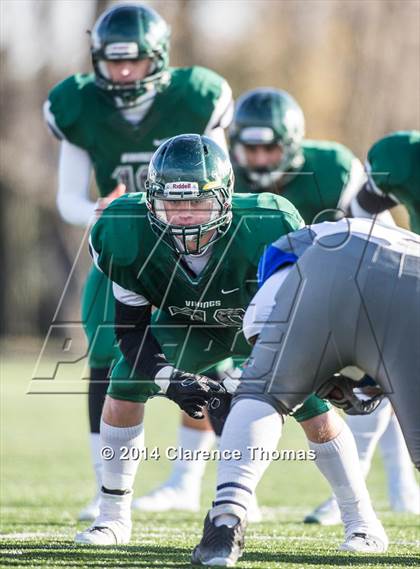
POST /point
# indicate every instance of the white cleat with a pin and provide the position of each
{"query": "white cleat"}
(114, 533)
(167, 498)
(91, 511)
(113, 525)
(254, 514)
(326, 514)
(365, 543)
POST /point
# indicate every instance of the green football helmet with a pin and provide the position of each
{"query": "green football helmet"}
(130, 31)
(189, 193)
(267, 116)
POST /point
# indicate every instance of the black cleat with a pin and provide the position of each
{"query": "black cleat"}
(220, 546)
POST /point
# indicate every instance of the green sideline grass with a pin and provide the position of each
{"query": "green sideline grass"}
(46, 479)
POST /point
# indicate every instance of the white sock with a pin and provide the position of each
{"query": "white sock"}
(95, 453)
(338, 461)
(251, 423)
(114, 508)
(404, 495)
(367, 430)
(189, 473)
(123, 444)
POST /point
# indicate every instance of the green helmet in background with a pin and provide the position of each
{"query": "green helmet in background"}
(267, 116)
(195, 171)
(130, 31)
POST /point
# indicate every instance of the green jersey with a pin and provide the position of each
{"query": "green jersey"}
(127, 250)
(394, 171)
(194, 101)
(330, 174)
(198, 324)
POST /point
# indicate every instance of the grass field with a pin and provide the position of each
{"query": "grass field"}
(46, 478)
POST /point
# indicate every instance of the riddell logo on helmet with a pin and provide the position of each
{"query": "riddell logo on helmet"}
(181, 187)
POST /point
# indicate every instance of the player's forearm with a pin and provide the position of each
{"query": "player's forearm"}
(142, 351)
(76, 211)
(137, 343)
(74, 175)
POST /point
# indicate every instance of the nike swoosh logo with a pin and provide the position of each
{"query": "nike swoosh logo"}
(229, 291)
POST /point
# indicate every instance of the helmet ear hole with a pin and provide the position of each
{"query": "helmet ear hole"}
(205, 149)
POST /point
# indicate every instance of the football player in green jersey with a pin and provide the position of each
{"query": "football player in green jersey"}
(269, 152)
(190, 248)
(393, 166)
(110, 122)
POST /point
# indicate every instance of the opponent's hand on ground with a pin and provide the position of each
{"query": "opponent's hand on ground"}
(192, 392)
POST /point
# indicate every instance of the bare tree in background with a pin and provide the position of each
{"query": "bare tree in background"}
(353, 66)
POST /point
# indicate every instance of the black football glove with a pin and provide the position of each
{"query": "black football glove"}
(339, 390)
(192, 392)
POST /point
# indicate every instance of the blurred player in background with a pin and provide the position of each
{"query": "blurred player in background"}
(393, 167)
(270, 153)
(110, 122)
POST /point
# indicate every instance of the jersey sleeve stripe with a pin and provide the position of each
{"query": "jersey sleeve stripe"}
(223, 111)
(50, 120)
(128, 297)
(93, 253)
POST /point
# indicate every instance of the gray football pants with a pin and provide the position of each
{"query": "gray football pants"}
(355, 303)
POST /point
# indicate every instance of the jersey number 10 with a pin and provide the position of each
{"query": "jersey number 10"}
(131, 178)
